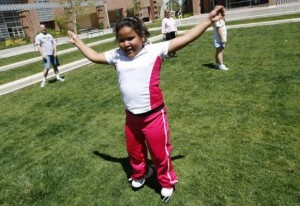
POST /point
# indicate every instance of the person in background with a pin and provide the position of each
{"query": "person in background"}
(220, 38)
(46, 45)
(169, 29)
(179, 14)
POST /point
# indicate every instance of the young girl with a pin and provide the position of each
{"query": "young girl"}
(220, 38)
(138, 67)
(169, 28)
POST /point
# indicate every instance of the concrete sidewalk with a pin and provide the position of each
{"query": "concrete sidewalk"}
(231, 15)
(33, 79)
(24, 82)
(36, 59)
(249, 13)
(21, 83)
(30, 47)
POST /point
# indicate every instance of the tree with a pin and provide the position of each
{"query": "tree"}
(173, 5)
(74, 10)
(134, 10)
(136, 7)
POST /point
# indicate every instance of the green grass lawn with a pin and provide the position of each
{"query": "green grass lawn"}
(235, 134)
(33, 68)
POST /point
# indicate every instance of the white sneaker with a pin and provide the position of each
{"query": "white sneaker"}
(140, 182)
(166, 194)
(223, 67)
(43, 84)
(60, 79)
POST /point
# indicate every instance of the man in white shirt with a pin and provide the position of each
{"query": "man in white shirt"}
(46, 45)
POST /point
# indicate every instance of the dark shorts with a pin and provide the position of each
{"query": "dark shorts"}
(170, 35)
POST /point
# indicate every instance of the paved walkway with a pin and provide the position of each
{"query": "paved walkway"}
(30, 47)
(231, 15)
(24, 82)
(36, 59)
(33, 79)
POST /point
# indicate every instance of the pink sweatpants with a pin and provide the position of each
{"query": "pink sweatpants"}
(151, 133)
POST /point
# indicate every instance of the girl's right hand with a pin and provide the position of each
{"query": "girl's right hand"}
(216, 14)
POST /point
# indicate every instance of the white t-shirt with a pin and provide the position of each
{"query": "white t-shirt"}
(220, 24)
(139, 77)
(47, 42)
(168, 25)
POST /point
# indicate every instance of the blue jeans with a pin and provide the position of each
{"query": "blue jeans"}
(50, 60)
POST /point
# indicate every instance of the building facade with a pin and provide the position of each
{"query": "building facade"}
(21, 18)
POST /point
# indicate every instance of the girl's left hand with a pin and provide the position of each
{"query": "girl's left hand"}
(72, 37)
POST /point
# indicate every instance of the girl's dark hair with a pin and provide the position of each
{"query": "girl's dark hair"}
(136, 24)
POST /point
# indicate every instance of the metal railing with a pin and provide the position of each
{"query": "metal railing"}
(233, 4)
(247, 3)
(286, 1)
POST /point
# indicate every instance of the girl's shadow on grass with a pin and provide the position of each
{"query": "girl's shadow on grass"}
(210, 66)
(124, 161)
(53, 80)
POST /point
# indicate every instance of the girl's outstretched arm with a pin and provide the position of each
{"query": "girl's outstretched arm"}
(197, 31)
(89, 53)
